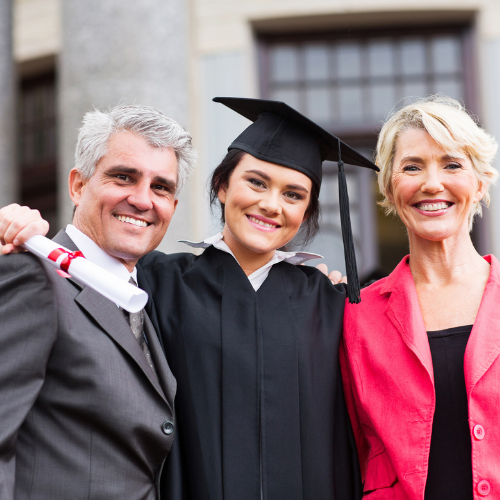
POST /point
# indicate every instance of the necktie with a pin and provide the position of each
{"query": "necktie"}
(136, 321)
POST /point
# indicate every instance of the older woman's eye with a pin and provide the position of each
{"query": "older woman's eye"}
(453, 166)
(411, 168)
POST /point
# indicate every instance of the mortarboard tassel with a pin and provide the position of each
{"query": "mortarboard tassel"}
(353, 288)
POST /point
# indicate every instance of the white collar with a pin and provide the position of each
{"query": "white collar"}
(291, 257)
(95, 254)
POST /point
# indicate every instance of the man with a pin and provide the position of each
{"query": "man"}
(86, 395)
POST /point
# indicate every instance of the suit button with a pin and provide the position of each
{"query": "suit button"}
(167, 428)
(478, 432)
(483, 488)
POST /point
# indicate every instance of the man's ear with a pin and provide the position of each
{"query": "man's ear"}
(76, 185)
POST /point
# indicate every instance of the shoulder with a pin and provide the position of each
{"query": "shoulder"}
(176, 261)
(25, 279)
(22, 265)
(361, 318)
(308, 279)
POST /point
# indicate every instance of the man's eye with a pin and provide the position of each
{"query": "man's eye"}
(164, 190)
(123, 177)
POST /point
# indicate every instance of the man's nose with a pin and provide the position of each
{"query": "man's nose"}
(140, 196)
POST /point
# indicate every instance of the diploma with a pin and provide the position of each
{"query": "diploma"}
(122, 293)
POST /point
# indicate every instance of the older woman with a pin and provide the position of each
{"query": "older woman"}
(420, 353)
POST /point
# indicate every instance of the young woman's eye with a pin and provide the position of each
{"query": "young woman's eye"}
(293, 195)
(257, 183)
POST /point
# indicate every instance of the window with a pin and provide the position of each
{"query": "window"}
(37, 146)
(348, 83)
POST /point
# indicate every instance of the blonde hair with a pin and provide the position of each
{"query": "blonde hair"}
(449, 124)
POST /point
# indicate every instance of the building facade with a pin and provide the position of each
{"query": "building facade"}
(343, 63)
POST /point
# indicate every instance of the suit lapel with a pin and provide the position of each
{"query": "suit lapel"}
(483, 346)
(112, 321)
(403, 310)
(165, 376)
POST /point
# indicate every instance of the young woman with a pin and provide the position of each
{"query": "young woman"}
(251, 337)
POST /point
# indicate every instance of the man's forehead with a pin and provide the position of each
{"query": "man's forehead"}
(131, 151)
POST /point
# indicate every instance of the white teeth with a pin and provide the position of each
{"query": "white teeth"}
(261, 223)
(432, 207)
(130, 220)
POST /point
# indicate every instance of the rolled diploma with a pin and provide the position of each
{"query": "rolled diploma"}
(122, 293)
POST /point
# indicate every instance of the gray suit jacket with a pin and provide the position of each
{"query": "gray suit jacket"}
(82, 415)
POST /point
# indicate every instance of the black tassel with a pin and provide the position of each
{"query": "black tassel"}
(353, 288)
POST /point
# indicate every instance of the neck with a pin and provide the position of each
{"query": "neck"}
(249, 260)
(445, 262)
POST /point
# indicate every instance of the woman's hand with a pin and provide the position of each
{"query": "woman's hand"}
(17, 225)
(335, 276)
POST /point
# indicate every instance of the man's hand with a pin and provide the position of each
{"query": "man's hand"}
(17, 225)
(335, 276)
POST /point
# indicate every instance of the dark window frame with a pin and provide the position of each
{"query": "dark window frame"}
(366, 136)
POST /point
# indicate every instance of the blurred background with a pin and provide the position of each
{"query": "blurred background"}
(343, 63)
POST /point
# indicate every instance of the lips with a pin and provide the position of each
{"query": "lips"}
(262, 221)
(132, 220)
(426, 206)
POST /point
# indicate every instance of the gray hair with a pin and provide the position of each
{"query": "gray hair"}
(147, 122)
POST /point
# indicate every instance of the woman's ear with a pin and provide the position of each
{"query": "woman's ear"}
(221, 194)
(481, 190)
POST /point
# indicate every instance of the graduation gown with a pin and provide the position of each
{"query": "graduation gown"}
(260, 411)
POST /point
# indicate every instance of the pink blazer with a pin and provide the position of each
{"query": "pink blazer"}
(389, 387)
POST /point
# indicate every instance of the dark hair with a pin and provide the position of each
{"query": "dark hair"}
(220, 178)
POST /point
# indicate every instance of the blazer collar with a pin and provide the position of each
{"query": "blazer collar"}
(112, 321)
(403, 310)
(483, 346)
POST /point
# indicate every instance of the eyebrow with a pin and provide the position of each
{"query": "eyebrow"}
(122, 169)
(296, 187)
(417, 159)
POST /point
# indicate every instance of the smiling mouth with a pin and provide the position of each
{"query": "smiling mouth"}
(433, 207)
(131, 220)
(262, 223)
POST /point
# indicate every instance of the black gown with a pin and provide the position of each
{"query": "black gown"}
(259, 405)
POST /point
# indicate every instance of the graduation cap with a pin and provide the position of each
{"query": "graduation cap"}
(280, 134)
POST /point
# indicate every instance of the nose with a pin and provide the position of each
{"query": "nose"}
(140, 196)
(432, 182)
(270, 202)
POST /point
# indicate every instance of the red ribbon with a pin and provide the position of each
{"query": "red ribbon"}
(69, 256)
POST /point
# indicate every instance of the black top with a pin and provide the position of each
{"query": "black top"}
(450, 465)
(259, 393)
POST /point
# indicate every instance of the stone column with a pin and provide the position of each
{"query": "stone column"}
(8, 174)
(122, 51)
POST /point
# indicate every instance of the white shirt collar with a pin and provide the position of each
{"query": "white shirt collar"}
(257, 277)
(95, 254)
